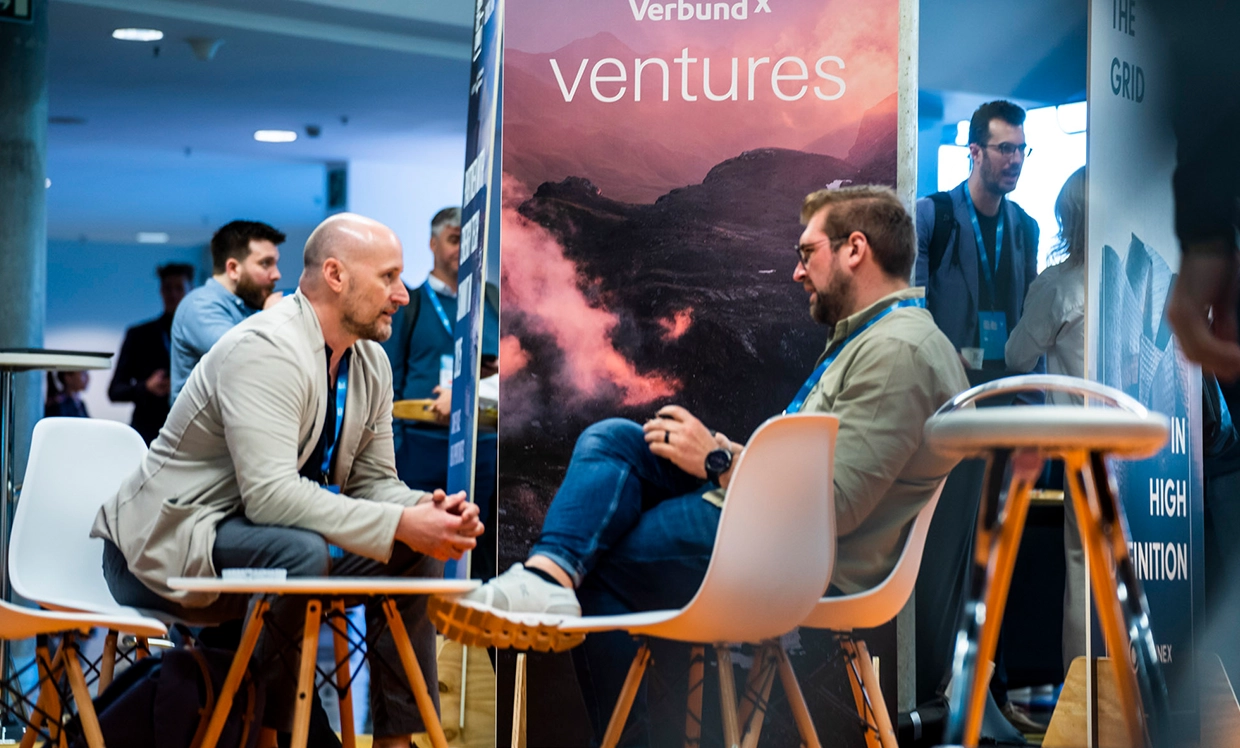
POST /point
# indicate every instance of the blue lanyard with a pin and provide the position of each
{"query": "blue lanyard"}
(443, 316)
(342, 391)
(981, 244)
(798, 402)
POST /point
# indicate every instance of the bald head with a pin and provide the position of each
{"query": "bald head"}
(352, 268)
(343, 236)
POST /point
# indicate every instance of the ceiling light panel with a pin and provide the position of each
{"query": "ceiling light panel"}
(275, 136)
(138, 35)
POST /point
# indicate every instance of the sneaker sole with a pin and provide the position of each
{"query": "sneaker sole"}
(485, 627)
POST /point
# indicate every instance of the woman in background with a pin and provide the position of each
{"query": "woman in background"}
(64, 394)
(1053, 323)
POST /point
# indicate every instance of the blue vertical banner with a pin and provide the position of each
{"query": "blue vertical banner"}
(481, 168)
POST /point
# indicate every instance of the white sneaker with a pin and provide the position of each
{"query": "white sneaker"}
(517, 609)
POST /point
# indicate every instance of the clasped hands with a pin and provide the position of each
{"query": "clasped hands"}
(679, 437)
(441, 526)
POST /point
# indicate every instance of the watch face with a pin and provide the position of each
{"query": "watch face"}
(718, 460)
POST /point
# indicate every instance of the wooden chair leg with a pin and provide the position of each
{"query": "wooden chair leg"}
(48, 702)
(632, 681)
(426, 706)
(752, 724)
(340, 644)
(142, 649)
(305, 675)
(107, 662)
(727, 697)
(81, 696)
(518, 704)
(869, 695)
(796, 700)
(693, 709)
(236, 671)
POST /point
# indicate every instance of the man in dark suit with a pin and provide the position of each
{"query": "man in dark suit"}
(141, 375)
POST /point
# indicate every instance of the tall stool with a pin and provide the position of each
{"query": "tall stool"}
(1019, 439)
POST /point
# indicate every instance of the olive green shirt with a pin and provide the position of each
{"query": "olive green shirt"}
(883, 386)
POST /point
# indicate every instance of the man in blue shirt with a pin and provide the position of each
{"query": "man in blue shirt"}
(245, 259)
(421, 351)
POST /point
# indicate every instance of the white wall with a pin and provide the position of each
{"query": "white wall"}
(406, 195)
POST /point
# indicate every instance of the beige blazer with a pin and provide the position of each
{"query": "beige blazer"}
(239, 432)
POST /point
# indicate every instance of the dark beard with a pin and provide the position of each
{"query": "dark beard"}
(252, 293)
(830, 304)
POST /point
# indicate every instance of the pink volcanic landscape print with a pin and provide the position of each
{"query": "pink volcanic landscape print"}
(650, 206)
(653, 169)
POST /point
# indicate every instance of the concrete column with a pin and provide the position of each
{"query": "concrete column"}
(23, 206)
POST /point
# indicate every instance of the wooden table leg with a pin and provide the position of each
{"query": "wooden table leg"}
(305, 675)
(236, 671)
(340, 644)
(426, 706)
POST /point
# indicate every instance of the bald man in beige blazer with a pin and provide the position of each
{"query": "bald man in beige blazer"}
(256, 468)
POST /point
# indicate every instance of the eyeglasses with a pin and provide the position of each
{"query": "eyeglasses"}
(805, 250)
(1007, 150)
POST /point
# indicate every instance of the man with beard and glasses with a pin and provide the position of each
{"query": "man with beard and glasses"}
(245, 262)
(977, 251)
(279, 445)
(633, 523)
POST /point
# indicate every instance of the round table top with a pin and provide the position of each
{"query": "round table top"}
(327, 585)
(38, 359)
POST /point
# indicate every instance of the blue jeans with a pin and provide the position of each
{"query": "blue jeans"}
(634, 533)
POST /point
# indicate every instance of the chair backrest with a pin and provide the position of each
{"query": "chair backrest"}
(883, 602)
(75, 465)
(775, 547)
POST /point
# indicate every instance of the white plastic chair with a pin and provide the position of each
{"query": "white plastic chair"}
(23, 623)
(75, 465)
(772, 559)
(864, 610)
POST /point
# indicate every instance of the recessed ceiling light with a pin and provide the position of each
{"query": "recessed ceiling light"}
(138, 35)
(47, 183)
(152, 237)
(275, 136)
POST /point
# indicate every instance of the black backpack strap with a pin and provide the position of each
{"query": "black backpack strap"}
(944, 225)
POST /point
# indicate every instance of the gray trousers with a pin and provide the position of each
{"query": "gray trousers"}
(240, 543)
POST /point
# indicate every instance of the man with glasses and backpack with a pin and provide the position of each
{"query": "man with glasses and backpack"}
(977, 251)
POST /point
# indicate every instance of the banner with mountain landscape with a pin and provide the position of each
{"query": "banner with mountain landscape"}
(655, 156)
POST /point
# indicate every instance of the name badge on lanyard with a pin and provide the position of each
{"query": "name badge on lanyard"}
(991, 326)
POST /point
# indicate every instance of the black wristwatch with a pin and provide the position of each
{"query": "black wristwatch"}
(718, 462)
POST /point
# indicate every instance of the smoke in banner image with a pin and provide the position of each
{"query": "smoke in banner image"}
(543, 290)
